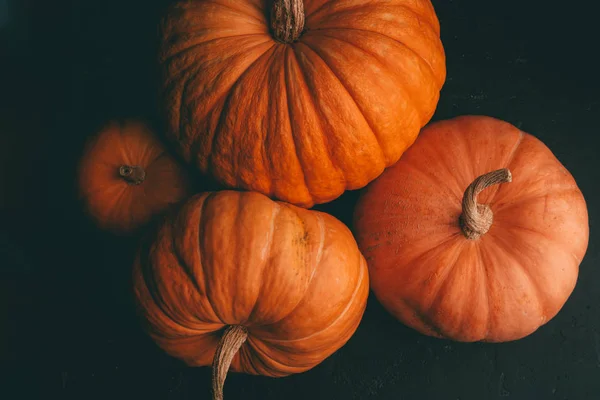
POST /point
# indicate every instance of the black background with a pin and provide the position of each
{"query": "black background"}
(68, 329)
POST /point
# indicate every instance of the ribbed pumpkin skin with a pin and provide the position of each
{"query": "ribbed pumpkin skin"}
(294, 278)
(299, 122)
(114, 204)
(500, 287)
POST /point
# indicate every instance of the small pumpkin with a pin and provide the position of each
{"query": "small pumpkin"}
(299, 99)
(234, 278)
(126, 177)
(476, 234)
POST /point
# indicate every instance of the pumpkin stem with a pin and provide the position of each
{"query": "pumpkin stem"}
(476, 219)
(287, 20)
(134, 175)
(233, 338)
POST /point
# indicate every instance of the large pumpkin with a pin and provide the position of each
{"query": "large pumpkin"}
(299, 99)
(127, 177)
(284, 285)
(476, 234)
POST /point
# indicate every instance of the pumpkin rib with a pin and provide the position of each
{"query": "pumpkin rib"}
(243, 13)
(501, 244)
(117, 206)
(151, 284)
(488, 295)
(359, 6)
(263, 356)
(224, 111)
(314, 271)
(406, 92)
(194, 46)
(328, 146)
(435, 178)
(286, 73)
(343, 85)
(227, 95)
(266, 162)
(513, 152)
(539, 233)
(339, 317)
(504, 207)
(201, 234)
(416, 258)
(447, 271)
(422, 59)
(227, 92)
(276, 211)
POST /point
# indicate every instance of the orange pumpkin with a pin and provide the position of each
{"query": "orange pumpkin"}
(301, 99)
(126, 177)
(476, 234)
(270, 288)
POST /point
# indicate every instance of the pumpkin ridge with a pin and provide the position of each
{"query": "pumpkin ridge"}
(316, 109)
(422, 60)
(224, 112)
(171, 76)
(264, 356)
(488, 296)
(314, 271)
(242, 13)
(117, 206)
(513, 152)
(343, 85)
(348, 306)
(444, 281)
(193, 65)
(444, 242)
(537, 290)
(201, 234)
(435, 178)
(539, 233)
(126, 157)
(420, 17)
(182, 262)
(151, 284)
(448, 171)
(407, 93)
(266, 161)
(276, 211)
(286, 77)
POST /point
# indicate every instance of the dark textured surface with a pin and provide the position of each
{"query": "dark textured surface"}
(68, 330)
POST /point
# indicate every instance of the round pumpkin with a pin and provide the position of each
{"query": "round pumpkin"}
(126, 177)
(266, 287)
(476, 234)
(299, 99)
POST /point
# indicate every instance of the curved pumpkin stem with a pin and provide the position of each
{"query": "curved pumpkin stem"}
(132, 174)
(287, 20)
(476, 219)
(232, 340)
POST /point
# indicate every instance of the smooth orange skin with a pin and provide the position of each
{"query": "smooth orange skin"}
(295, 278)
(299, 122)
(112, 203)
(504, 285)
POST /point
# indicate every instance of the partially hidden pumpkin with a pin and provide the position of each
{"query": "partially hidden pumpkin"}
(299, 99)
(126, 177)
(234, 278)
(476, 234)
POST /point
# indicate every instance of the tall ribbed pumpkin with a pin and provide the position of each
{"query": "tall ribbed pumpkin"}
(236, 278)
(299, 99)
